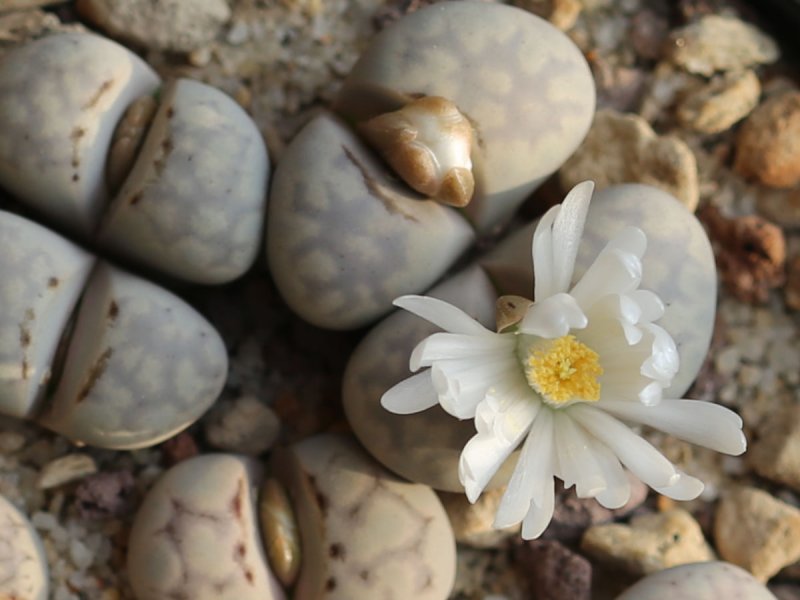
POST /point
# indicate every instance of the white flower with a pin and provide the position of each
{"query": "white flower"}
(564, 381)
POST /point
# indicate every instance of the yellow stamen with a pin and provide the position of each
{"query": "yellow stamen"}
(564, 370)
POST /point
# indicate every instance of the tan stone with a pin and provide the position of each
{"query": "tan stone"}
(650, 543)
(757, 531)
(65, 469)
(767, 147)
(472, 523)
(721, 103)
(623, 148)
(561, 13)
(776, 453)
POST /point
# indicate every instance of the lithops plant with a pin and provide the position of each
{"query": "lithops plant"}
(95, 353)
(192, 165)
(425, 447)
(699, 581)
(472, 104)
(363, 533)
(23, 567)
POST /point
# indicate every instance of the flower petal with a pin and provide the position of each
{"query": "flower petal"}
(618, 487)
(664, 361)
(442, 314)
(463, 384)
(553, 317)
(636, 453)
(539, 516)
(567, 233)
(411, 395)
(448, 346)
(686, 488)
(542, 254)
(534, 469)
(576, 462)
(702, 423)
(614, 271)
(485, 452)
(649, 303)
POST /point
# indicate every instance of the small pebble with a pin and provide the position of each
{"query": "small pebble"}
(757, 531)
(650, 543)
(553, 571)
(179, 448)
(561, 13)
(721, 43)
(65, 470)
(648, 33)
(105, 495)
(473, 523)
(623, 148)
(244, 426)
(171, 25)
(11, 441)
(792, 290)
(721, 103)
(766, 146)
(776, 452)
(782, 207)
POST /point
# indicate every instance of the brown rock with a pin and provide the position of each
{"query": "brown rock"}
(757, 531)
(768, 143)
(623, 148)
(650, 543)
(554, 572)
(792, 290)
(648, 33)
(780, 206)
(776, 453)
(179, 448)
(750, 251)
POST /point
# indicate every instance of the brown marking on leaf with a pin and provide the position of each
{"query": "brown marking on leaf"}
(237, 502)
(248, 574)
(24, 336)
(135, 199)
(53, 282)
(113, 310)
(330, 585)
(95, 372)
(25, 368)
(76, 177)
(166, 149)
(95, 99)
(336, 550)
(170, 112)
(376, 190)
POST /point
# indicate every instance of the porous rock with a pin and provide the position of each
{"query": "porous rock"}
(776, 452)
(623, 148)
(766, 146)
(554, 572)
(172, 25)
(756, 531)
(721, 103)
(721, 43)
(650, 543)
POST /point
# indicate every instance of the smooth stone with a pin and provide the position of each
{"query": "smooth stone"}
(343, 238)
(365, 533)
(422, 447)
(60, 99)
(140, 366)
(651, 542)
(757, 531)
(196, 535)
(721, 43)
(23, 566)
(171, 25)
(623, 148)
(522, 83)
(193, 204)
(766, 144)
(678, 265)
(711, 580)
(44, 275)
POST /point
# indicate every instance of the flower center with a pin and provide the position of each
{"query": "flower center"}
(563, 371)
